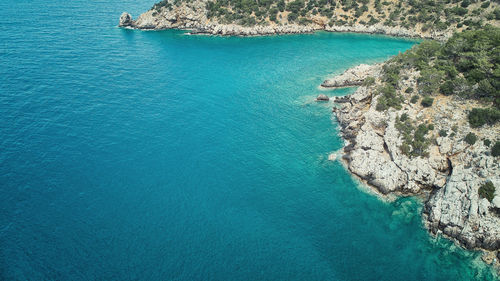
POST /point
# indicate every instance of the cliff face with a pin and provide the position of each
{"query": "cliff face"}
(435, 20)
(450, 175)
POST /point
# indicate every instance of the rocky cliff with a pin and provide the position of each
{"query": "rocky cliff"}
(398, 18)
(448, 178)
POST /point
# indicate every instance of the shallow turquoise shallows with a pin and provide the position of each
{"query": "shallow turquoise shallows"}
(129, 155)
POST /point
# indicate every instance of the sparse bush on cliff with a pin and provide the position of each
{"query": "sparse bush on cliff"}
(292, 17)
(427, 101)
(403, 117)
(466, 65)
(429, 81)
(415, 143)
(369, 81)
(414, 99)
(391, 73)
(487, 142)
(495, 150)
(295, 6)
(389, 98)
(481, 116)
(447, 88)
(420, 142)
(470, 138)
(431, 15)
(487, 190)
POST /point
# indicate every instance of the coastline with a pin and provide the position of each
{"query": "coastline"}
(446, 181)
(193, 17)
(228, 30)
(370, 148)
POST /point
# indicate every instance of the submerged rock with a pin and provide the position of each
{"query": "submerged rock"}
(322, 98)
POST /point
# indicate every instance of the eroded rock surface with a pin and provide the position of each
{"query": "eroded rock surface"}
(448, 177)
(353, 76)
(126, 20)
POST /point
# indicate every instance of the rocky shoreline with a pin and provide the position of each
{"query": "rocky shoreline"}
(194, 20)
(447, 180)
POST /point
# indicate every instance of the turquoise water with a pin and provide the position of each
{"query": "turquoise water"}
(129, 155)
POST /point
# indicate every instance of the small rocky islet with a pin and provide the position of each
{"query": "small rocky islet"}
(422, 123)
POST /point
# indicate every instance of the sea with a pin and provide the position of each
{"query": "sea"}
(144, 155)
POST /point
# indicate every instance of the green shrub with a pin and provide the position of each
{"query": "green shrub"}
(292, 17)
(405, 149)
(481, 116)
(495, 150)
(389, 98)
(470, 138)
(369, 81)
(427, 101)
(414, 99)
(409, 90)
(487, 142)
(443, 133)
(403, 117)
(429, 81)
(487, 190)
(295, 6)
(281, 5)
(446, 88)
(391, 73)
(420, 143)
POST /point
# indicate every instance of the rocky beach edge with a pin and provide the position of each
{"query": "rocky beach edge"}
(196, 23)
(447, 180)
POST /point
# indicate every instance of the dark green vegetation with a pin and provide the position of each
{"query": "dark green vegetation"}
(388, 98)
(415, 142)
(470, 138)
(467, 66)
(427, 15)
(487, 190)
(427, 101)
(495, 150)
(487, 142)
(481, 116)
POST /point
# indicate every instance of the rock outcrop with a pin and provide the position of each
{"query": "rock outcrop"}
(353, 76)
(126, 20)
(322, 98)
(448, 178)
(192, 16)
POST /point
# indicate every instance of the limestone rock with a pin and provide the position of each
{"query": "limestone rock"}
(452, 171)
(126, 20)
(353, 76)
(322, 97)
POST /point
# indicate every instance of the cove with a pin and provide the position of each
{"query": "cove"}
(129, 155)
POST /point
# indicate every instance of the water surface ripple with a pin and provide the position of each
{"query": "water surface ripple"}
(128, 155)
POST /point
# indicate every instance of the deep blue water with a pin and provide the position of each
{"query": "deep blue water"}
(129, 155)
